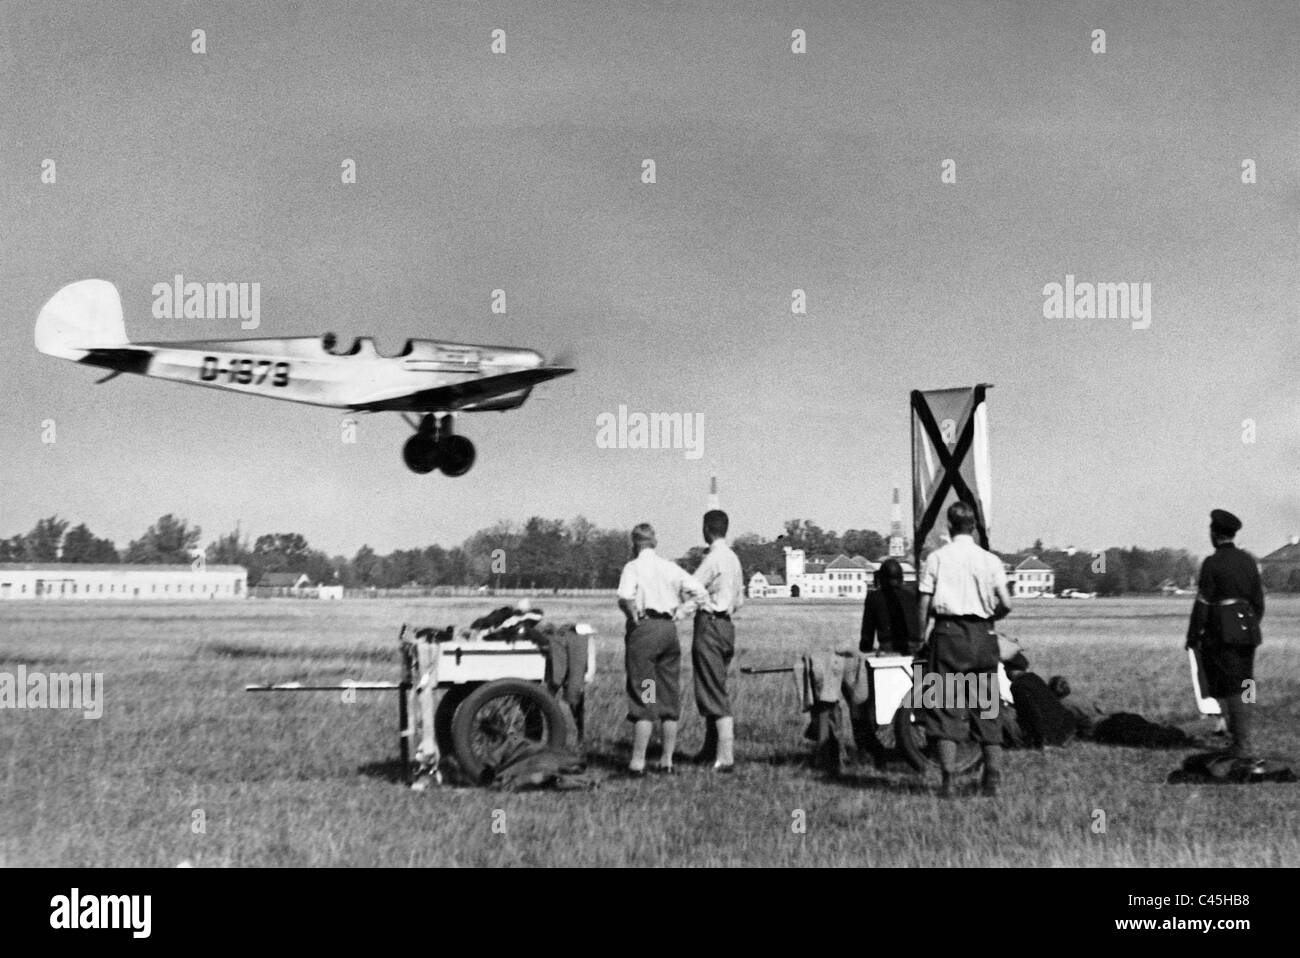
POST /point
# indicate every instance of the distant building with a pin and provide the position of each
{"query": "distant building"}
(768, 586)
(293, 584)
(76, 580)
(329, 592)
(1281, 567)
(849, 576)
(1031, 577)
(843, 576)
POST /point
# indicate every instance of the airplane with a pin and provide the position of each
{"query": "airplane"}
(436, 380)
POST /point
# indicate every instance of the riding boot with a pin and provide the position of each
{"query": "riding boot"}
(580, 720)
(1239, 722)
(947, 750)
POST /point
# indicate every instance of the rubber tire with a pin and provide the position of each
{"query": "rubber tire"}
(462, 723)
(445, 713)
(420, 454)
(456, 455)
(920, 758)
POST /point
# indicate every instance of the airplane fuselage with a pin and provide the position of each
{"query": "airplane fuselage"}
(305, 370)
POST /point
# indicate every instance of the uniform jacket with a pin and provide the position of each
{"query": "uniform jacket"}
(1229, 600)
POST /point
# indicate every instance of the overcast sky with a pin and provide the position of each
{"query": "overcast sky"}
(775, 171)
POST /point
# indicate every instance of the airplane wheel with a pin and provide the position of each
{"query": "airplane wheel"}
(420, 454)
(455, 455)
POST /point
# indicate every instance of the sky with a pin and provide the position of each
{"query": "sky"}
(775, 171)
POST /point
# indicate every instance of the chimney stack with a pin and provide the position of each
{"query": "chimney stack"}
(896, 528)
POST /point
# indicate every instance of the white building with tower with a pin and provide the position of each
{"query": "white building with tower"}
(833, 577)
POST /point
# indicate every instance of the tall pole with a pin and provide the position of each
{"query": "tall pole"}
(916, 538)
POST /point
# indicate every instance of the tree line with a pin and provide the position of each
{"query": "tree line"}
(554, 553)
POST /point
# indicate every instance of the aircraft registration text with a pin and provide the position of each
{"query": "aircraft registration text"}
(245, 371)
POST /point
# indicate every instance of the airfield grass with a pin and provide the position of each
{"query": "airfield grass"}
(307, 779)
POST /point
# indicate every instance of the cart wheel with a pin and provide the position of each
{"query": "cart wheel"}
(498, 715)
(915, 747)
(444, 714)
(874, 740)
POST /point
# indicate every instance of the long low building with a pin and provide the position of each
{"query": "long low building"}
(75, 580)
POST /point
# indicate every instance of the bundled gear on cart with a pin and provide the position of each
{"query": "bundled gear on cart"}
(507, 624)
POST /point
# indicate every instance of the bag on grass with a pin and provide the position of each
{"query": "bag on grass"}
(1221, 768)
(537, 765)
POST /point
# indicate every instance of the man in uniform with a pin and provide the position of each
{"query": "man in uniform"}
(1224, 627)
(651, 590)
(965, 587)
(714, 642)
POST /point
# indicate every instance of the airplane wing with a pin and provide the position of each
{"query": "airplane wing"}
(466, 394)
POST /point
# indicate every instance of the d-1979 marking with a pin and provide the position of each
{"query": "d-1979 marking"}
(246, 372)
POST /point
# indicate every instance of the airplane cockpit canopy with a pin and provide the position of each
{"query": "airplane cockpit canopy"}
(330, 343)
(408, 348)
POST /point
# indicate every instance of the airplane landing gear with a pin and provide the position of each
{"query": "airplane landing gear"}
(420, 454)
(455, 455)
(435, 446)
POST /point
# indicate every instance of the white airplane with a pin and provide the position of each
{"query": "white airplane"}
(83, 322)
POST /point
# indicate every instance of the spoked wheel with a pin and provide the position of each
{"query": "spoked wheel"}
(919, 752)
(497, 717)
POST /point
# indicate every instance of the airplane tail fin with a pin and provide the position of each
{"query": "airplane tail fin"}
(80, 317)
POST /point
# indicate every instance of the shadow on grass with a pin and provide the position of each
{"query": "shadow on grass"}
(871, 781)
(390, 771)
(28, 660)
(231, 650)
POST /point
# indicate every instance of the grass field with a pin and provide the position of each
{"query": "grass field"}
(309, 779)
